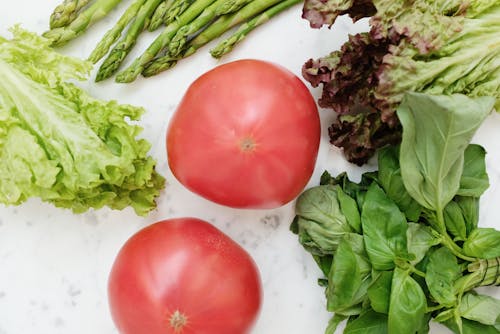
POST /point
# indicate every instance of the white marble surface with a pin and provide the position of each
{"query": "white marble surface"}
(54, 264)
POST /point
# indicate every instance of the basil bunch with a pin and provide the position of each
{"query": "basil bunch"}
(403, 246)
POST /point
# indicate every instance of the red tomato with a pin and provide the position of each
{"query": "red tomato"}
(246, 135)
(183, 276)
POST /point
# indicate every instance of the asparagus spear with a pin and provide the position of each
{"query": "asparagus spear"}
(178, 7)
(218, 8)
(89, 16)
(159, 15)
(161, 41)
(226, 22)
(216, 29)
(159, 65)
(228, 44)
(114, 33)
(66, 12)
(123, 47)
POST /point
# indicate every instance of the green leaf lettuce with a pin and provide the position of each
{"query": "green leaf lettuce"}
(60, 144)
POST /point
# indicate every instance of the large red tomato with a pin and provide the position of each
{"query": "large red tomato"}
(183, 276)
(245, 134)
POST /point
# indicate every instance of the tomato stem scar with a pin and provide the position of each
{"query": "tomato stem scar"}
(247, 144)
(177, 321)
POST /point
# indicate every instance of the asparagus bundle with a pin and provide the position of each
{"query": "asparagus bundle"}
(229, 43)
(114, 33)
(77, 18)
(266, 8)
(121, 50)
(187, 26)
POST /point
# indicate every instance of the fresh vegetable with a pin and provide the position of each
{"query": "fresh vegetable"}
(160, 14)
(66, 12)
(167, 50)
(220, 7)
(178, 7)
(437, 47)
(223, 24)
(123, 47)
(402, 246)
(61, 145)
(184, 21)
(60, 34)
(226, 45)
(253, 141)
(183, 276)
(113, 34)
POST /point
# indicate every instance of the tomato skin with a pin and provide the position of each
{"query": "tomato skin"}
(183, 266)
(246, 135)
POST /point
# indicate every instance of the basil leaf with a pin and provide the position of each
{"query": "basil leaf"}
(436, 131)
(354, 190)
(442, 271)
(349, 276)
(334, 323)
(379, 291)
(408, 304)
(320, 222)
(474, 180)
(471, 327)
(483, 243)
(390, 179)
(384, 229)
(480, 308)
(470, 211)
(420, 240)
(424, 324)
(369, 322)
(324, 262)
(349, 209)
(454, 221)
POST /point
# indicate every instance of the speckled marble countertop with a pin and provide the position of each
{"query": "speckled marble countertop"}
(54, 264)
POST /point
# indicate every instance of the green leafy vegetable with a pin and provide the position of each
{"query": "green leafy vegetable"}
(420, 239)
(436, 132)
(321, 224)
(470, 211)
(350, 209)
(471, 327)
(384, 229)
(334, 323)
(379, 291)
(434, 47)
(60, 144)
(391, 180)
(483, 243)
(480, 308)
(408, 304)
(410, 270)
(349, 277)
(474, 180)
(369, 322)
(442, 271)
(454, 221)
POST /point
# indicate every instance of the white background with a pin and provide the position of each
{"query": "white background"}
(54, 264)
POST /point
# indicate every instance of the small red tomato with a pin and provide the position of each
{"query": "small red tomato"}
(183, 276)
(246, 134)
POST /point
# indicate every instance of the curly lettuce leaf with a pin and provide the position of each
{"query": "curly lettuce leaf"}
(61, 145)
(321, 12)
(434, 47)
